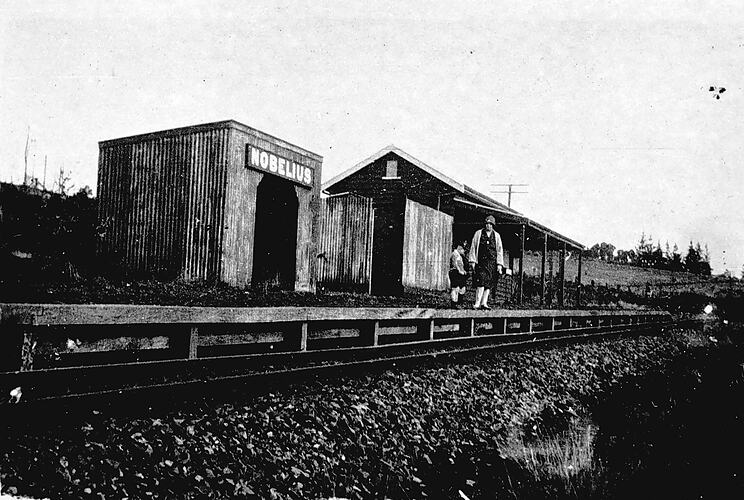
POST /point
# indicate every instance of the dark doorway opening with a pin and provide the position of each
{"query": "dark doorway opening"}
(387, 250)
(275, 238)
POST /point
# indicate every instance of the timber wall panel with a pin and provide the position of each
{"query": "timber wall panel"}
(345, 242)
(305, 246)
(427, 244)
(240, 215)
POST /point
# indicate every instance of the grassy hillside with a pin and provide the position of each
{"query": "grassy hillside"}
(612, 274)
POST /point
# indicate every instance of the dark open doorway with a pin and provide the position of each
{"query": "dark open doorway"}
(387, 250)
(275, 239)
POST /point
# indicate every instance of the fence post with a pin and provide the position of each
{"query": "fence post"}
(27, 350)
(303, 336)
(193, 342)
(375, 333)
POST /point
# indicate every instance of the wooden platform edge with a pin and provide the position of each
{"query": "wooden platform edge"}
(124, 314)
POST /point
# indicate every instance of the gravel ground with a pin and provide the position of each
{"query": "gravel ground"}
(102, 291)
(408, 433)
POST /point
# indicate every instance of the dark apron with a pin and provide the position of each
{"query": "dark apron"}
(486, 274)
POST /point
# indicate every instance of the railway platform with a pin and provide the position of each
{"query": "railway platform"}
(53, 351)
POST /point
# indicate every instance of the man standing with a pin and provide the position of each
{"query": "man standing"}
(487, 256)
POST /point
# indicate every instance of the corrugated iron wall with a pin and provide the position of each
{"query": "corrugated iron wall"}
(161, 202)
(427, 244)
(345, 243)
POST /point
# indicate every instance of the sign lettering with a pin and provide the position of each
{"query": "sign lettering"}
(268, 162)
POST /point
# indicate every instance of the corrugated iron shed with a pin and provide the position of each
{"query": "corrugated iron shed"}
(202, 202)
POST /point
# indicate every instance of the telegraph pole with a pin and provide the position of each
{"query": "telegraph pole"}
(25, 156)
(509, 191)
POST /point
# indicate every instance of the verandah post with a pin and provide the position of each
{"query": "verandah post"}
(521, 266)
(562, 275)
(542, 273)
(578, 283)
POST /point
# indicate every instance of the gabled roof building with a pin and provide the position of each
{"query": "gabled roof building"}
(414, 214)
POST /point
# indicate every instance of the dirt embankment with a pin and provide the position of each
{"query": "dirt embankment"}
(676, 432)
(433, 430)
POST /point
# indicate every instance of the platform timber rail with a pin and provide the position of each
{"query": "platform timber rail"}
(56, 350)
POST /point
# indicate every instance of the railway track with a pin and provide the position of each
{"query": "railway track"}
(307, 358)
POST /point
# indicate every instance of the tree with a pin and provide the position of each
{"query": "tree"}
(675, 263)
(63, 182)
(657, 257)
(604, 251)
(704, 268)
(84, 192)
(626, 256)
(692, 259)
(695, 260)
(644, 251)
(607, 251)
(704, 265)
(592, 252)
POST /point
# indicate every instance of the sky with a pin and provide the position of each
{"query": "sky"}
(603, 108)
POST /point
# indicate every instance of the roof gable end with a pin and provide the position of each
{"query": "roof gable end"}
(402, 154)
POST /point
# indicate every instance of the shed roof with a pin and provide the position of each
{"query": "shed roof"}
(463, 194)
(206, 127)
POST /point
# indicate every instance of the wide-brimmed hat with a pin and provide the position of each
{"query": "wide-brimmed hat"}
(491, 220)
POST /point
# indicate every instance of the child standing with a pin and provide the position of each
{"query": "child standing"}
(457, 274)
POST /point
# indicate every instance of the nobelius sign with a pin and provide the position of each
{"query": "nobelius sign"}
(287, 169)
